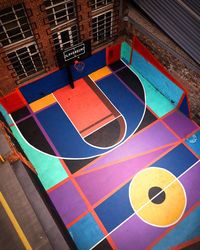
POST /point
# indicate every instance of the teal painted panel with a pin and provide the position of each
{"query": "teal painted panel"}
(86, 233)
(194, 142)
(6, 115)
(154, 99)
(160, 82)
(126, 52)
(186, 230)
(50, 170)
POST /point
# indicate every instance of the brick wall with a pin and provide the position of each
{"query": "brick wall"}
(39, 23)
(42, 32)
(7, 81)
(172, 57)
(84, 14)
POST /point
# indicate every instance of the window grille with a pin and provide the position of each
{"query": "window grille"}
(96, 4)
(59, 11)
(66, 38)
(102, 27)
(26, 61)
(14, 25)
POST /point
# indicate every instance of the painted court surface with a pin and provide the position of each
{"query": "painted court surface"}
(116, 157)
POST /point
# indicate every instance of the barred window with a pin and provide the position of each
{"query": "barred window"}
(102, 27)
(66, 38)
(59, 11)
(26, 61)
(96, 4)
(14, 25)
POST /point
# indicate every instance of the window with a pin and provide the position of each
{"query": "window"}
(59, 11)
(14, 25)
(26, 61)
(66, 38)
(96, 4)
(102, 27)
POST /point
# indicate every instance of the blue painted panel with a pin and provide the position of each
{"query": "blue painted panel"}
(86, 233)
(92, 63)
(63, 134)
(126, 52)
(128, 105)
(186, 230)
(66, 138)
(177, 161)
(184, 107)
(195, 146)
(169, 89)
(45, 86)
(115, 209)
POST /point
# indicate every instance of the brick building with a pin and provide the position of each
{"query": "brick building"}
(33, 32)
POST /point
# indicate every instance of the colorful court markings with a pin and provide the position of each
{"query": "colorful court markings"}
(68, 202)
(84, 107)
(98, 184)
(105, 71)
(71, 127)
(157, 197)
(20, 114)
(194, 142)
(177, 161)
(62, 133)
(114, 210)
(131, 79)
(6, 115)
(49, 169)
(42, 103)
(157, 79)
(86, 233)
(150, 139)
(128, 105)
(32, 132)
(187, 229)
(159, 104)
(180, 124)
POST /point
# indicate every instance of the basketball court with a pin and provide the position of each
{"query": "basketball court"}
(116, 150)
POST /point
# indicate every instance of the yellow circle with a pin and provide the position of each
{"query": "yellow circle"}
(170, 210)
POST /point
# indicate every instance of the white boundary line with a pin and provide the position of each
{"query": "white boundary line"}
(100, 154)
(176, 179)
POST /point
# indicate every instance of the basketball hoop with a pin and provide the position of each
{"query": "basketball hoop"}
(79, 66)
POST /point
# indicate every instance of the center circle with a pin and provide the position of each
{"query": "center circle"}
(159, 193)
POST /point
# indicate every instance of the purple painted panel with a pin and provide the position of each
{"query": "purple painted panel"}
(180, 123)
(135, 234)
(99, 183)
(155, 136)
(67, 201)
(191, 183)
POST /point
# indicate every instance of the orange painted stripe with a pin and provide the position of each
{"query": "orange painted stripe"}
(77, 219)
(185, 244)
(97, 125)
(105, 71)
(42, 103)
(123, 159)
(57, 185)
